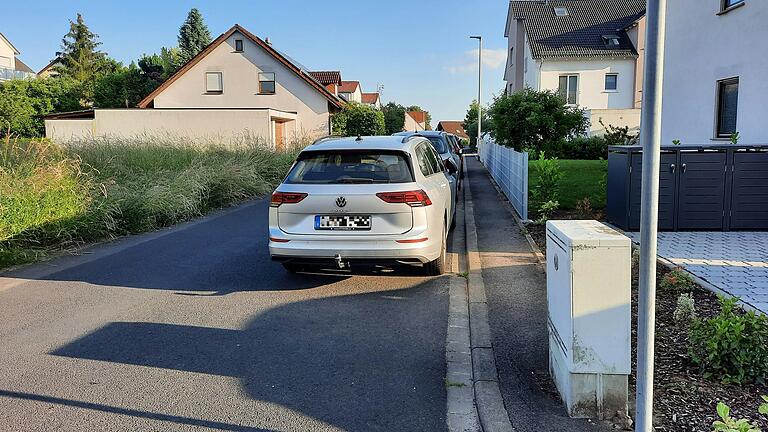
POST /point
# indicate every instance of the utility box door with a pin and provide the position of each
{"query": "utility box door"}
(559, 291)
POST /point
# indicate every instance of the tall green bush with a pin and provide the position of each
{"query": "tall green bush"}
(358, 119)
(24, 102)
(535, 121)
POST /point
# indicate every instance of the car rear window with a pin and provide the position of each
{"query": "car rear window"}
(339, 167)
(439, 144)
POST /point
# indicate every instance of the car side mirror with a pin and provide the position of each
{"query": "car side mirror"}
(451, 167)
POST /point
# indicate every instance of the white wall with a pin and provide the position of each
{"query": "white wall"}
(240, 76)
(702, 48)
(411, 125)
(221, 125)
(7, 56)
(614, 117)
(531, 68)
(591, 93)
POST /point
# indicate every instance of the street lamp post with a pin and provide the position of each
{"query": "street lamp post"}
(650, 138)
(479, 90)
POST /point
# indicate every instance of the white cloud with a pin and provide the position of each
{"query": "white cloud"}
(492, 59)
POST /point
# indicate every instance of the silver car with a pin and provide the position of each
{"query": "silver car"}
(368, 200)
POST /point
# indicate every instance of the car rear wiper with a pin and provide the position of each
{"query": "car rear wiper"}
(355, 180)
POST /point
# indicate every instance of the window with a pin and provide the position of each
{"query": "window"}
(350, 166)
(727, 104)
(561, 11)
(569, 88)
(266, 83)
(239, 45)
(424, 165)
(214, 82)
(434, 160)
(611, 82)
(728, 4)
(611, 41)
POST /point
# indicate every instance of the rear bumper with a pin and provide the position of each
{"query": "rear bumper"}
(302, 249)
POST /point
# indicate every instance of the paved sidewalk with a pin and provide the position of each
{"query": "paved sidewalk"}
(735, 262)
(517, 302)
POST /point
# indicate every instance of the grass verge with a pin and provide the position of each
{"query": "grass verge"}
(581, 179)
(54, 198)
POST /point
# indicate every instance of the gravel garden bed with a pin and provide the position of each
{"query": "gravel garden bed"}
(685, 401)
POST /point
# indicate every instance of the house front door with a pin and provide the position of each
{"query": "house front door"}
(279, 135)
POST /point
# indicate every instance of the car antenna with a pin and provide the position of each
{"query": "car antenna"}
(359, 138)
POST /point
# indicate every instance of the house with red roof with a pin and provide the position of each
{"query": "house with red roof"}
(455, 127)
(350, 91)
(415, 121)
(237, 87)
(372, 99)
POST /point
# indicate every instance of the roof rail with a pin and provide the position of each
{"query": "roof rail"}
(325, 138)
(410, 137)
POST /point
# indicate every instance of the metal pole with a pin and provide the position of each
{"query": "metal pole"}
(479, 91)
(650, 138)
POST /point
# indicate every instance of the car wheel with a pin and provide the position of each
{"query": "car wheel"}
(291, 267)
(438, 266)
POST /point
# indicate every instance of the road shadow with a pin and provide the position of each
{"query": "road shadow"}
(373, 361)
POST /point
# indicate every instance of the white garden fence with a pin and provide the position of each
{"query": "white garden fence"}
(509, 169)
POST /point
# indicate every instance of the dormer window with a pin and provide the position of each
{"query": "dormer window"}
(561, 11)
(611, 41)
(238, 45)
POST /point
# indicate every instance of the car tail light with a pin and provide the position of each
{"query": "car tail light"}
(279, 198)
(418, 240)
(416, 198)
(278, 240)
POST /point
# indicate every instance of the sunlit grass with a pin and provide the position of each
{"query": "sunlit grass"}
(54, 197)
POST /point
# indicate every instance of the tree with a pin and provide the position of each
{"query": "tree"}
(80, 58)
(24, 102)
(193, 36)
(126, 87)
(358, 120)
(427, 117)
(470, 122)
(535, 120)
(170, 59)
(394, 117)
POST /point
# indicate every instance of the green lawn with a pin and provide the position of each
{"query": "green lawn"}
(581, 178)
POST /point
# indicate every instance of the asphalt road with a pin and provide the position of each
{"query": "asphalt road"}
(194, 328)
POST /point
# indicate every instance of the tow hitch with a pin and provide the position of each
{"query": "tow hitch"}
(340, 263)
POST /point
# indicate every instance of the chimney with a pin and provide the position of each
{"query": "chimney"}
(269, 42)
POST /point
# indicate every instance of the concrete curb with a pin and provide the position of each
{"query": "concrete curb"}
(461, 414)
(491, 412)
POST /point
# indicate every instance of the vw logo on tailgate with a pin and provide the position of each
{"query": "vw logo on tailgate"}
(341, 201)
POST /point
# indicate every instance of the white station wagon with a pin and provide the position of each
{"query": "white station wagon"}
(378, 200)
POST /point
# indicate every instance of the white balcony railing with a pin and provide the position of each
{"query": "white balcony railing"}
(9, 74)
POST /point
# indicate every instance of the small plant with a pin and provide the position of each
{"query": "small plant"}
(584, 208)
(676, 142)
(635, 258)
(685, 312)
(547, 210)
(464, 274)
(618, 135)
(734, 138)
(677, 280)
(549, 176)
(763, 409)
(729, 424)
(732, 346)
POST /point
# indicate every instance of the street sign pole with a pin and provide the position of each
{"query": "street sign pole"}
(650, 138)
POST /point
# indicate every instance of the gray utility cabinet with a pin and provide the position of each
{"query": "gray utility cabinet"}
(700, 188)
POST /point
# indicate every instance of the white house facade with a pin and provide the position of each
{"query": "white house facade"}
(10, 66)
(237, 87)
(584, 49)
(715, 68)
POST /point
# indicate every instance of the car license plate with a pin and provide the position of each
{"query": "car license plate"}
(342, 222)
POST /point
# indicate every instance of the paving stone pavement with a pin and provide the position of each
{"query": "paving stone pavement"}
(735, 262)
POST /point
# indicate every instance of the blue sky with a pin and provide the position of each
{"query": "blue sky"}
(418, 50)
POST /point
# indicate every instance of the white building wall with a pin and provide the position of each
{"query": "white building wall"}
(591, 85)
(241, 83)
(531, 68)
(703, 47)
(7, 56)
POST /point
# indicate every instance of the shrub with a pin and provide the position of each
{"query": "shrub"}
(685, 312)
(733, 346)
(584, 209)
(24, 102)
(677, 280)
(635, 258)
(729, 424)
(358, 119)
(549, 176)
(546, 211)
(618, 135)
(588, 148)
(534, 120)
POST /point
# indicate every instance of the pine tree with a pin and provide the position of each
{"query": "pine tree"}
(80, 57)
(193, 36)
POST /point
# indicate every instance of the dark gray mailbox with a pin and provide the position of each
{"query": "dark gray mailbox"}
(700, 187)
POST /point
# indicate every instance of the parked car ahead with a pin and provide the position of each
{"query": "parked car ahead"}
(458, 150)
(366, 200)
(444, 147)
